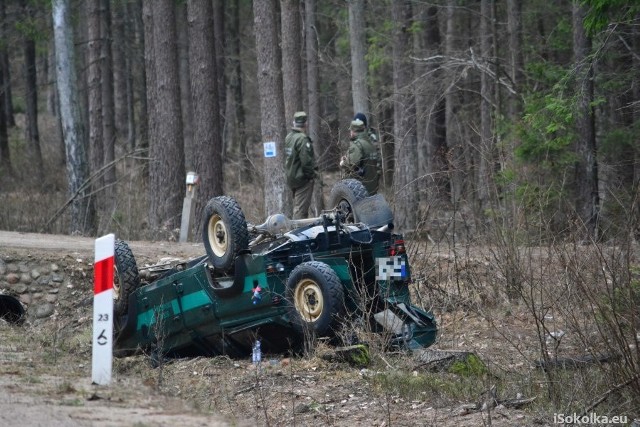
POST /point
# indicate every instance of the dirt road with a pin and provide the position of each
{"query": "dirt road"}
(61, 244)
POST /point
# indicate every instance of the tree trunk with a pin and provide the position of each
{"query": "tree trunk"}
(291, 58)
(485, 153)
(94, 75)
(586, 178)
(221, 59)
(82, 216)
(52, 101)
(455, 154)
(53, 106)
(31, 95)
(432, 114)
(5, 157)
(358, 45)
(108, 111)
(149, 127)
(404, 118)
(204, 98)
(516, 61)
(139, 79)
(239, 145)
(7, 103)
(515, 105)
(120, 47)
(636, 110)
(324, 156)
(277, 197)
(166, 170)
(185, 84)
(133, 70)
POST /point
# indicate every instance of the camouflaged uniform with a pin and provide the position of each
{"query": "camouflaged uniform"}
(362, 161)
(300, 166)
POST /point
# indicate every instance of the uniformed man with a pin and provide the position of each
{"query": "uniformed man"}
(370, 131)
(300, 165)
(362, 160)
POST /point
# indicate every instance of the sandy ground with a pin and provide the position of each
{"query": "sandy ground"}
(51, 244)
(32, 393)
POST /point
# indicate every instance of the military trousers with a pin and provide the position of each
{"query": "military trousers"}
(302, 200)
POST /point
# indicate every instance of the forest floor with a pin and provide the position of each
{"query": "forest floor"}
(45, 369)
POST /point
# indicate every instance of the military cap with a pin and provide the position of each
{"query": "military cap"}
(357, 125)
(300, 118)
(361, 116)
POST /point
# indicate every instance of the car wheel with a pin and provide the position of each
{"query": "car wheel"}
(316, 298)
(125, 278)
(224, 232)
(345, 194)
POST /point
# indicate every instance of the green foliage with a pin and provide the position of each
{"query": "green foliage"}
(471, 366)
(416, 27)
(34, 25)
(19, 104)
(340, 17)
(359, 356)
(28, 27)
(601, 13)
(560, 39)
(547, 129)
(544, 73)
(416, 386)
(619, 141)
(533, 195)
(378, 55)
(544, 148)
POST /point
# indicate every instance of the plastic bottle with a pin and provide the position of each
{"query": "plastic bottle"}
(257, 352)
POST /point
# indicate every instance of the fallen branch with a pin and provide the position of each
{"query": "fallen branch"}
(244, 390)
(575, 362)
(615, 388)
(515, 403)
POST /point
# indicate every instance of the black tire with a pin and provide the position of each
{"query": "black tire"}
(345, 194)
(316, 298)
(224, 232)
(125, 278)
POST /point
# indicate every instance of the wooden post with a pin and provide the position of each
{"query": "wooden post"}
(187, 212)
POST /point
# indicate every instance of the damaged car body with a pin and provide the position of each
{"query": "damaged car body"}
(280, 282)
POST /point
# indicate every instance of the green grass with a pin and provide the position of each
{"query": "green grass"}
(422, 386)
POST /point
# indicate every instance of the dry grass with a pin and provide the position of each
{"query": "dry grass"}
(474, 315)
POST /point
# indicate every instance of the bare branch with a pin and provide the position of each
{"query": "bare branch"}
(88, 182)
(483, 67)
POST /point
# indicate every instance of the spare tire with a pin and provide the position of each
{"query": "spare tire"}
(224, 232)
(345, 194)
(125, 278)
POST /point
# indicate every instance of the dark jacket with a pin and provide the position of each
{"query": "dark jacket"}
(363, 162)
(300, 164)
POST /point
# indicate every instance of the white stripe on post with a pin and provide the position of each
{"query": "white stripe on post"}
(102, 347)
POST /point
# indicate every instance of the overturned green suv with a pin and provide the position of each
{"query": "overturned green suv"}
(280, 282)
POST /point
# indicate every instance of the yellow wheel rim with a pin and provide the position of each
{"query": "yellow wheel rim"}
(218, 236)
(308, 300)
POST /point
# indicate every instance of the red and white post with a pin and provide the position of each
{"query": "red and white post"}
(102, 348)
